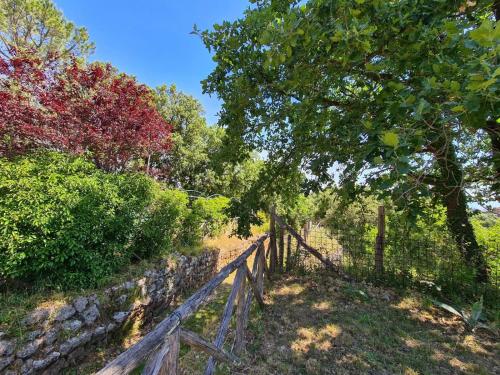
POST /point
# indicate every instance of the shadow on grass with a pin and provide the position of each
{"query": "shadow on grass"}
(317, 324)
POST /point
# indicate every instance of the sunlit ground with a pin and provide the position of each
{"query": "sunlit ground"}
(322, 325)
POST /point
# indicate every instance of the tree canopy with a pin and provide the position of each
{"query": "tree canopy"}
(38, 26)
(398, 98)
(80, 108)
(195, 161)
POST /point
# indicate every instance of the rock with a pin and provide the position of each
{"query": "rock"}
(28, 350)
(42, 363)
(27, 368)
(80, 303)
(120, 316)
(93, 299)
(111, 327)
(56, 368)
(34, 334)
(72, 325)
(65, 313)
(50, 337)
(6, 348)
(36, 316)
(90, 315)
(74, 342)
(75, 356)
(128, 285)
(4, 362)
(99, 331)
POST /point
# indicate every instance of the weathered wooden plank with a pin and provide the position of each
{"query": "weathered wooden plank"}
(302, 242)
(132, 358)
(239, 339)
(272, 236)
(289, 252)
(255, 288)
(263, 258)
(281, 254)
(248, 302)
(262, 270)
(197, 342)
(166, 360)
(226, 316)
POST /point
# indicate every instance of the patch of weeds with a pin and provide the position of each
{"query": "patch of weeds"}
(356, 293)
(193, 250)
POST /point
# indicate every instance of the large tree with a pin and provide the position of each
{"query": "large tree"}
(38, 26)
(398, 97)
(80, 109)
(195, 161)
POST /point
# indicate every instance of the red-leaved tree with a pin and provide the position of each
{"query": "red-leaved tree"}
(78, 109)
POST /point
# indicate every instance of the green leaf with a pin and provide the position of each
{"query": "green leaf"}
(448, 308)
(355, 12)
(337, 37)
(390, 138)
(454, 86)
(423, 107)
(410, 99)
(484, 34)
(458, 108)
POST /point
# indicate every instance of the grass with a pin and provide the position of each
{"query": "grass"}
(317, 324)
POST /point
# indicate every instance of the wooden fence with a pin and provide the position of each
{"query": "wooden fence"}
(160, 347)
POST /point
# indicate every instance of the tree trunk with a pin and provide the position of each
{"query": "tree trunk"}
(493, 130)
(455, 201)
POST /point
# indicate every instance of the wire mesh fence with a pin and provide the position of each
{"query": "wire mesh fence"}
(432, 263)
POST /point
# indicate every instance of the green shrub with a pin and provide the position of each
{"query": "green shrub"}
(162, 223)
(65, 221)
(207, 218)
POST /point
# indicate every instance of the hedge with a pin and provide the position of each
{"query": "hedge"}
(64, 222)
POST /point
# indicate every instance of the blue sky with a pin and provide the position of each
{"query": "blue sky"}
(151, 39)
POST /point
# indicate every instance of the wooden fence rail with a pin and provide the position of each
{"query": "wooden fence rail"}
(160, 347)
(302, 242)
(164, 340)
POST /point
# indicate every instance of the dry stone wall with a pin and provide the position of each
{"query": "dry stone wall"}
(58, 336)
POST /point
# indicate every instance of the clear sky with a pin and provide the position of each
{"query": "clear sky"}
(151, 39)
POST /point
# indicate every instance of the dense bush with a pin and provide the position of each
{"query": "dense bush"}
(162, 222)
(208, 217)
(64, 222)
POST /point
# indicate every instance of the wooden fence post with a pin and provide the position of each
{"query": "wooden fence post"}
(289, 252)
(281, 254)
(166, 360)
(272, 237)
(379, 243)
(239, 341)
(307, 229)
